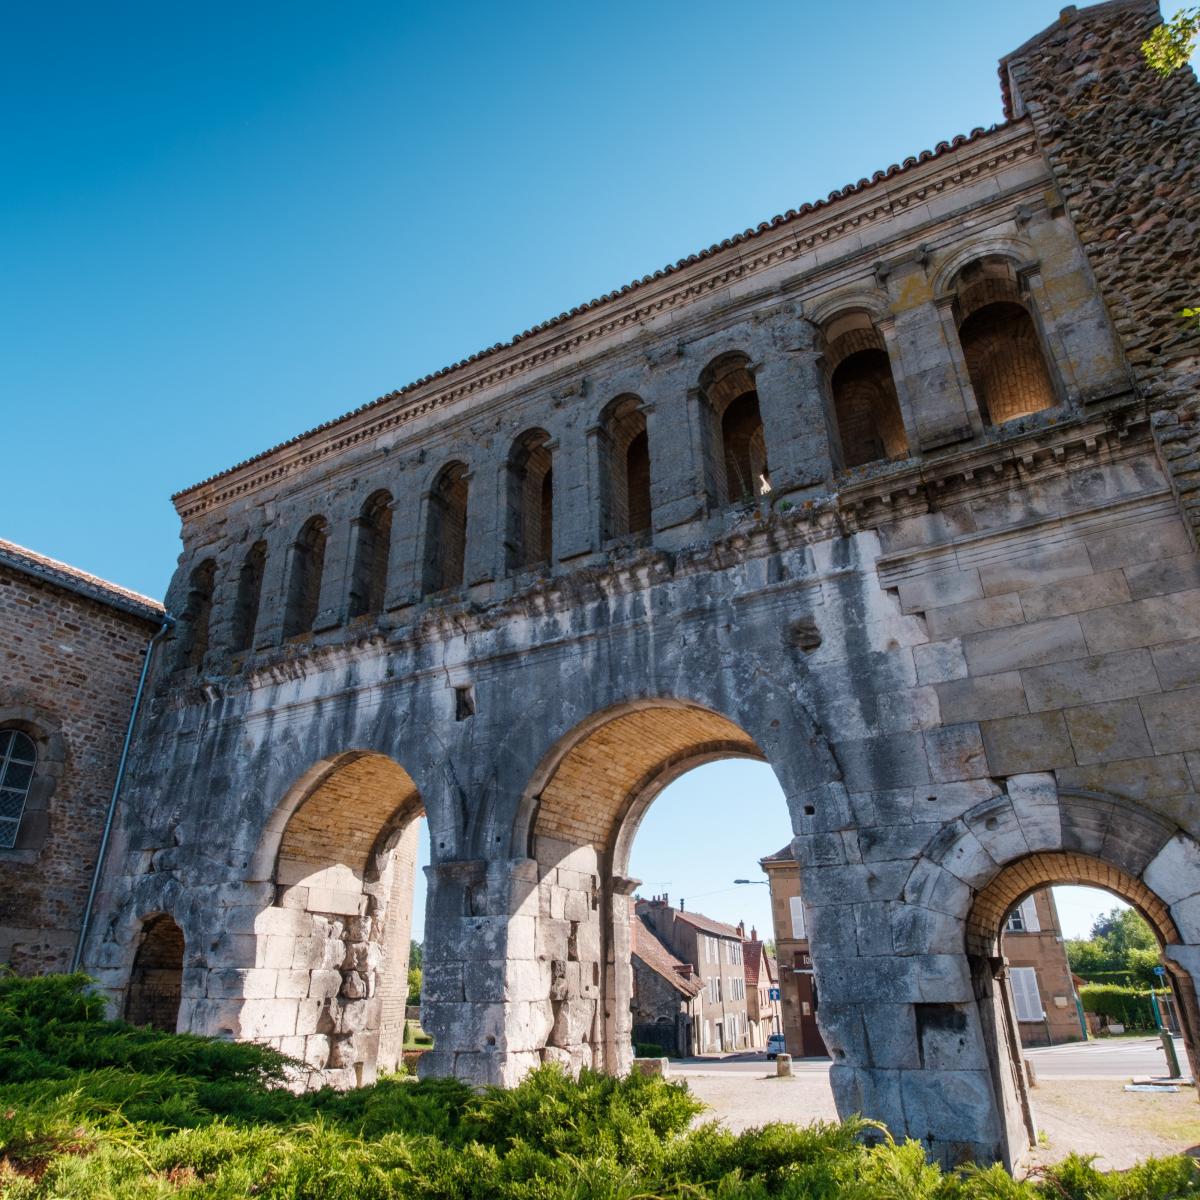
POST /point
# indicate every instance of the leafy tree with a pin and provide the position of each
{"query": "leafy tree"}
(1170, 45)
(416, 956)
(1121, 941)
(414, 985)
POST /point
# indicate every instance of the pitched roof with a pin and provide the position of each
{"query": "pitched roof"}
(707, 924)
(661, 961)
(784, 855)
(747, 235)
(72, 579)
(752, 955)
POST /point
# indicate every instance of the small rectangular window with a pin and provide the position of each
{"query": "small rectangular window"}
(799, 930)
(1026, 998)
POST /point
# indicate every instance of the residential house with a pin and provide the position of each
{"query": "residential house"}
(665, 1003)
(1042, 989)
(763, 1005)
(714, 950)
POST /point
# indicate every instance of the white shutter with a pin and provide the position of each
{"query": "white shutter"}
(1029, 915)
(1025, 993)
(799, 930)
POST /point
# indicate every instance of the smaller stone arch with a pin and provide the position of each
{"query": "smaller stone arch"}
(156, 980)
(332, 947)
(447, 504)
(530, 497)
(1000, 342)
(249, 596)
(624, 468)
(372, 554)
(738, 466)
(304, 579)
(866, 406)
(197, 614)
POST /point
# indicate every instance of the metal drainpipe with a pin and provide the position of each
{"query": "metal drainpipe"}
(168, 622)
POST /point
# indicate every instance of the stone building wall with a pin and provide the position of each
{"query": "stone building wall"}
(1043, 951)
(972, 667)
(69, 667)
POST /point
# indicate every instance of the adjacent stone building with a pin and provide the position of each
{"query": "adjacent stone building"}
(71, 653)
(896, 491)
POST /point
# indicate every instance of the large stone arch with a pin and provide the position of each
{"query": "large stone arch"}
(970, 876)
(329, 979)
(576, 824)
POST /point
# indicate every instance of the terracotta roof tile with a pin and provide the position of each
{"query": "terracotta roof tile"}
(781, 219)
(661, 961)
(707, 924)
(61, 574)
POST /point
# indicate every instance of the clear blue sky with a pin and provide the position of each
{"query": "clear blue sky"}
(222, 224)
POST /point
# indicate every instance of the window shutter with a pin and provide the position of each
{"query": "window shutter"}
(799, 930)
(1025, 993)
(1029, 915)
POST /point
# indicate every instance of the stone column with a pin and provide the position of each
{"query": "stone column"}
(675, 430)
(575, 509)
(791, 399)
(927, 360)
(404, 554)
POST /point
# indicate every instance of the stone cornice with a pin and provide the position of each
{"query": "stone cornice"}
(869, 202)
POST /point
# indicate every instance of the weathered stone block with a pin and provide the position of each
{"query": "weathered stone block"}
(1025, 646)
(939, 588)
(940, 661)
(956, 752)
(1137, 779)
(1167, 575)
(1145, 541)
(1178, 665)
(1090, 680)
(1149, 622)
(984, 698)
(1065, 561)
(1018, 745)
(873, 764)
(1173, 720)
(1075, 595)
(1106, 732)
(954, 620)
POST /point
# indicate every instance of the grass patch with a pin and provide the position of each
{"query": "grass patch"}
(97, 1110)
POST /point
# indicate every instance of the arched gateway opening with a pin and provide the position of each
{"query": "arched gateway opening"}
(332, 951)
(578, 820)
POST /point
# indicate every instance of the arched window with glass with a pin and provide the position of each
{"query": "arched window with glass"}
(18, 760)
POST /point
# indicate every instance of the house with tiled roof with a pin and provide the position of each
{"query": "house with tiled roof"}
(714, 952)
(666, 999)
(763, 1007)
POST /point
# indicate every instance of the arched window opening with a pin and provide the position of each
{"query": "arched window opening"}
(18, 760)
(740, 471)
(530, 501)
(624, 469)
(198, 614)
(1000, 344)
(249, 595)
(446, 529)
(156, 982)
(373, 538)
(865, 404)
(304, 585)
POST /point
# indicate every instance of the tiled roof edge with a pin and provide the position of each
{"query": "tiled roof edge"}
(50, 570)
(792, 214)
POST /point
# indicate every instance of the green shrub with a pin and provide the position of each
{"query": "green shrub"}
(649, 1050)
(1129, 1006)
(93, 1110)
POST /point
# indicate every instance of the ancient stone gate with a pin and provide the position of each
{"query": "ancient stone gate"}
(894, 492)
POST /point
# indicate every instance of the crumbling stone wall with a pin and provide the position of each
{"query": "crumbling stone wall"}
(1124, 146)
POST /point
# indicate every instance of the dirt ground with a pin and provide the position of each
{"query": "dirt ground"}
(1091, 1116)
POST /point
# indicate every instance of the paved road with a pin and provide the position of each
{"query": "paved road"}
(1116, 1058)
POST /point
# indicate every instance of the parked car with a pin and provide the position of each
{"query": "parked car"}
(775, 1045)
